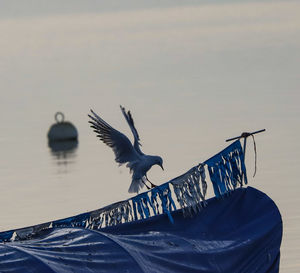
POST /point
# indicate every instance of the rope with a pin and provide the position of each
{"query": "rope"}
(254, 144)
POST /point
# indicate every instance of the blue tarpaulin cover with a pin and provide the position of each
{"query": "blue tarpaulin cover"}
(240, 232)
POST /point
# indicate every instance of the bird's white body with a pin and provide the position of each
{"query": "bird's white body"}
(138, 163)
(139, 169)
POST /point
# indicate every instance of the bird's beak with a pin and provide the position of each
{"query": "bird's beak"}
(162, 167)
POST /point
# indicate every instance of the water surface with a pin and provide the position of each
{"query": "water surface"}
(192, 75)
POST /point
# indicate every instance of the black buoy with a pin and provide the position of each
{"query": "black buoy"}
(62, 130)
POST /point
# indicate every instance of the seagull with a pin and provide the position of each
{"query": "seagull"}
(138, 162)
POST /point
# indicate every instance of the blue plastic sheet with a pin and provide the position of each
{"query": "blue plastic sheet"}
(227, 169)
(239, 233)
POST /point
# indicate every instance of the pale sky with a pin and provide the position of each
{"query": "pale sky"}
(193, 73)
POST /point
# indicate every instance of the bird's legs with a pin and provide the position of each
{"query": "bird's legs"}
(146, 184)
(152, 185)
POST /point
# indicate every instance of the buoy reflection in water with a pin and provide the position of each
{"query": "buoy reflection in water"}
(63, 153)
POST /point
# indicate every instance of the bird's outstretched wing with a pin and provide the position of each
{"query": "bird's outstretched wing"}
(130, 122)
(120, 144)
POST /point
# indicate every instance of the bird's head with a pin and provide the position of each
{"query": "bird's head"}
(159, 162)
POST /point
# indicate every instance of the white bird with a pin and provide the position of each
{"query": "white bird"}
(138, 163)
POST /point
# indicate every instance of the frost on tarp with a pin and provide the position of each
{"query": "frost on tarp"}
(112, 215)
(190, 195)
(186, 193)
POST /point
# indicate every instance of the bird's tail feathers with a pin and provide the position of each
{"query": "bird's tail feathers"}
(136, 185)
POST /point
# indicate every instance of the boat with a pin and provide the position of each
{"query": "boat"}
(170, 228)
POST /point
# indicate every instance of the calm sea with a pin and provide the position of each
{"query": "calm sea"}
(39, 184)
